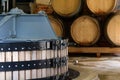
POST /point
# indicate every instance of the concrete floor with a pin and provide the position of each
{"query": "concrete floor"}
(85, 74)
(107, 67)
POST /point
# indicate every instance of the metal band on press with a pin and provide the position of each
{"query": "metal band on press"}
(34, 64)
(30, 46)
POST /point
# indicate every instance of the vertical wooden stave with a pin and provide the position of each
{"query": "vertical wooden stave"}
(2, 59)
(15, 55)
(22, 58)
(28, 58)
(59, 68)
(48, 70)
(62, 55)
(55, 56)
(67, 56)
(43, 58)
(48, 56)
(8, 59)
(34, 57)
(39, 71)
(52, 56)
(61, 52)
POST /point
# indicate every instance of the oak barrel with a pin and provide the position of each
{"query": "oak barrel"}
(57, 26)
(35, 60)
(85, 30)
(112, 30)
(102, 7)
(66, 8)
(44, 5)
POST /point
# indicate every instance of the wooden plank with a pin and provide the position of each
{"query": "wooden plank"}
(52, 56)
(64, 55)
(67, 56)
(34, 73)
(22, 58)
(9, 59)
(39, 58)
(60, 69)
(28, 58)
(44, 58)
(48, 57)
(55, 56)
(15, 59)
(2, 59)
(94, 50)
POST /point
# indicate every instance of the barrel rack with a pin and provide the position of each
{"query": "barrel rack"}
(97, 50)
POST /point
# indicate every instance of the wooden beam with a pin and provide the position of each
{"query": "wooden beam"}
(93, 50)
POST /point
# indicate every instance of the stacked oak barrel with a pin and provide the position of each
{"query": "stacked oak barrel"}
(84, 22)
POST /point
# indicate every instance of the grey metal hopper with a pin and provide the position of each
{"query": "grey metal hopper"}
(18, 26)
